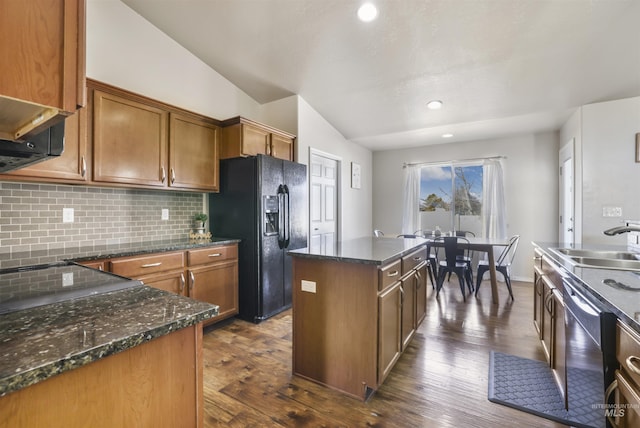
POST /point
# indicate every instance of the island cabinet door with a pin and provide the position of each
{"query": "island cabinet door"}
(389, 329)
(421, 294)
(408, 290)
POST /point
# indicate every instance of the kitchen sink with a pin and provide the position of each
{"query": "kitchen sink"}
(596, 254)
(602, 259)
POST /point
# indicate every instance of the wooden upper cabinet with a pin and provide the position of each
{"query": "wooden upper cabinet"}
(244, 137)
(193, 153)
(43, 50)
(71, 166)
(129, 141)
(281, 147)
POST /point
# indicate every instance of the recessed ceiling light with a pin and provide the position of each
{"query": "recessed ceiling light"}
(367, 12)
(447, 135)
(434, 105)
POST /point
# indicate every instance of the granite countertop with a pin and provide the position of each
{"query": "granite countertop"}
(367, 250)
(623, 298)
(88, 253)
(38, 343)
(43, 341)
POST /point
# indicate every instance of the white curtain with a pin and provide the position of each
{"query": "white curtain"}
(494, 212)
(411, 200)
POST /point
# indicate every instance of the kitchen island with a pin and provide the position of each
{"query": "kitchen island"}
(356, 307)
(130, 356)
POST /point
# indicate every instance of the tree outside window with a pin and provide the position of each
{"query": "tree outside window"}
(451, 197)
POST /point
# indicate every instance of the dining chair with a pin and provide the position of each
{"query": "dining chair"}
(503, 264)
(378, 233)
(452, 264)
(468, 255)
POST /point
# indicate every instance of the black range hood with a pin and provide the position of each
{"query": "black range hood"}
(42, 146)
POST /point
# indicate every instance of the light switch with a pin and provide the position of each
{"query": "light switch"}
(165, 214)
(308, 286)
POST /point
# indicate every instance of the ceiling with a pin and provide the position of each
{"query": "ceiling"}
(500, 67)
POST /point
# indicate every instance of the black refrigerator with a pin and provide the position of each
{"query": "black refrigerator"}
(263, 202)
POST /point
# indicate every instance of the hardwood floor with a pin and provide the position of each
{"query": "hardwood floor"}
(440, 380)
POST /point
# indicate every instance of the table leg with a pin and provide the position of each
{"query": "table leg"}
(492, 273)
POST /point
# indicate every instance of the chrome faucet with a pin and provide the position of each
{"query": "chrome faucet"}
(621, 229)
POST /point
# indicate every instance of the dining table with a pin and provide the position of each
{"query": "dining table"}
(480, 244)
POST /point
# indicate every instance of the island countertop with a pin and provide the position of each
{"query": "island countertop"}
(367, 250)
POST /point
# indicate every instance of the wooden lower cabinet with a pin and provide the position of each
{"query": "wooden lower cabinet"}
(408, 305)
(174, 282)
(421, 293)
(624, 393)
(216, 283)
(209, 274)
(155, 384)
(549, 318)
(389, 329)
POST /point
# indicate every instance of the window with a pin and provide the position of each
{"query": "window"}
(451, 198)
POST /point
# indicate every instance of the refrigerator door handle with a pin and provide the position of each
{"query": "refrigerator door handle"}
(281, 219)
(287, 230)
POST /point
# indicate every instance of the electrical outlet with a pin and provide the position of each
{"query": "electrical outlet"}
(611, 211)
(308, 286)
(67, 215)
(67, 279)
(165, 214)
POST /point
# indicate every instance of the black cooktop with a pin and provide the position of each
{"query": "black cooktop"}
(28, 287)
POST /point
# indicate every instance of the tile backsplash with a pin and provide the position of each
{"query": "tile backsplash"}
(31, 216)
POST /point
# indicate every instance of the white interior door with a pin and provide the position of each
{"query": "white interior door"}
(323, 191)
(567, 215)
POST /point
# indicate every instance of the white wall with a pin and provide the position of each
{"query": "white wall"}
(315, 132)
(531, 179)
(610, 175)
(125, 50)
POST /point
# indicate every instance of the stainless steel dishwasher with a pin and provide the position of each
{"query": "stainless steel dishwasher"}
(590, 349)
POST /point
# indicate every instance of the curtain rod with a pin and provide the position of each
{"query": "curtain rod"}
(406, 164)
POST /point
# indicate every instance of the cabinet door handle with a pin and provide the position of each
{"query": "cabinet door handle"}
(393, 273)
(610, 389)
(173, 175)
(83, 168)
(401, 295)
(182, 282)
(215, 255)
(547, 302)
(163, 175)
(632, 364)
(148, 265)
(417, 258)
(193, 281)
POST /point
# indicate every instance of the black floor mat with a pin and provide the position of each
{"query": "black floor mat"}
(528, 385)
